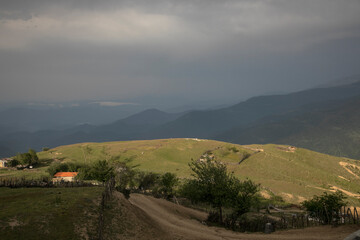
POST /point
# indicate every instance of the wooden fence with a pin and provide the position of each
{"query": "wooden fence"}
(347, 215)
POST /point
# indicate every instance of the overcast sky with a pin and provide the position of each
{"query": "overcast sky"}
(198, 50)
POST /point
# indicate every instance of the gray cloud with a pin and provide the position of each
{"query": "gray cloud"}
(189, 50)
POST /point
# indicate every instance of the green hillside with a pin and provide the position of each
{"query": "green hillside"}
(293, 173)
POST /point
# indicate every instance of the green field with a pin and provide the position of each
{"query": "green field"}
(294, 174)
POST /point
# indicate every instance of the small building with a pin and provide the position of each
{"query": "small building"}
(65, 176)
(5, 162)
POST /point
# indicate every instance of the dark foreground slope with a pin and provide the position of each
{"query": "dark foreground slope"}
(73, 213)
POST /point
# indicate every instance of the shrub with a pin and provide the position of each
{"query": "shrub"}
(64, 167)
(102, 171)
(214, 185)
(14, 163)
(167, 183)
(147, 180)
(325, 207)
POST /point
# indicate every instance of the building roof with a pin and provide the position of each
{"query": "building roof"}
(66, 174)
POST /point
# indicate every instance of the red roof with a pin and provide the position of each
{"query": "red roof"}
(66, 174)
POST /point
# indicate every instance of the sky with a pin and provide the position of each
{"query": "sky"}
(173, 51)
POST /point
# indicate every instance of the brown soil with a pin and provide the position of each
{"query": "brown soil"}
(171, 221)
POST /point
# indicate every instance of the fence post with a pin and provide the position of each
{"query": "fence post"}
(357, 215)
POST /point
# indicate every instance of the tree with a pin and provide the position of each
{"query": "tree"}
(34, 157)
(168, 181)
(246, 197)
(325, 207)
(24, 158)
(14, 162)
(28, 158)
(212, 184)
(102, 171)
(147, 180)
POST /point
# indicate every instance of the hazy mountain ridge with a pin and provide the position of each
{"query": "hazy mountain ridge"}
(331, 127)
(253, 121)
(32, 119)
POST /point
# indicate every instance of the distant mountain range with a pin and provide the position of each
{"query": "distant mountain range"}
(322, 119)
(331, 127)
(34, 119)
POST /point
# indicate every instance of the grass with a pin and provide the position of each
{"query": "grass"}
(294, 175)
(48, 213)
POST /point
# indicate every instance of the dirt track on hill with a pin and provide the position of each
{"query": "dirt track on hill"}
(178, 222)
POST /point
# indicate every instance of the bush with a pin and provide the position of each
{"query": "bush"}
(147, 180)
(214, 185)
(64, 167)
(167, 183)
(14, 163)
(102, 171)
(325, 207)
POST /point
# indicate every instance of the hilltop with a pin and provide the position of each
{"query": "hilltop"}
(295, 174)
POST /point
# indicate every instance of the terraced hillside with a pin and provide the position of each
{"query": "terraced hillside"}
(293, 173)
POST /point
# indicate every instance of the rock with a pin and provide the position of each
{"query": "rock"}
(353, 236)
(268, 228)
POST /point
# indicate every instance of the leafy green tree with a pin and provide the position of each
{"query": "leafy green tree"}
(34, 157)
(102, 171)
(168, 181)
(14, 162)
(84, 173)
(211, 184)
(147, 180)
(246, 196)
(325, 207)
(24, 158)
(29, 158)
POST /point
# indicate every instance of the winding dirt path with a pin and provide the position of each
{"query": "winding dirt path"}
(184, 223)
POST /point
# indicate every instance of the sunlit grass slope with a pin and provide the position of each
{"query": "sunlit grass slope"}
(293, 173)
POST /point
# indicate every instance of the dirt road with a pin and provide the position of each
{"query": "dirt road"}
(179, 222)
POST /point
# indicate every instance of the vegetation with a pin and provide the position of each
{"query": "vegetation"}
(29, 158)
(213, 184)
(292, 175)
(167, 184)
(102, 171)
(326, 207)
(64, 167)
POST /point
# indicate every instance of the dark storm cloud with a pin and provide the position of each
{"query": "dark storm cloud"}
(225, 50)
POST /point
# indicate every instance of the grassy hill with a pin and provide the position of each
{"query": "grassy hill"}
(293, 173)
